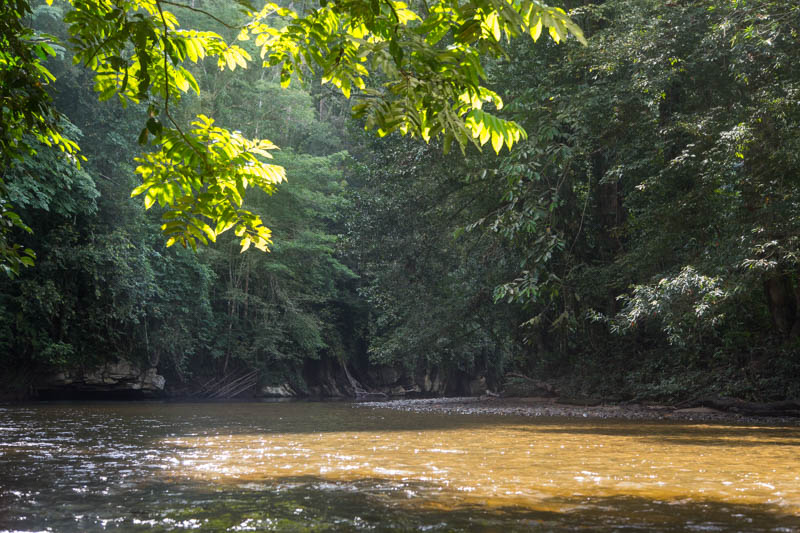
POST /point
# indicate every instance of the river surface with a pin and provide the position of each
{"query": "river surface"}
(338, 467)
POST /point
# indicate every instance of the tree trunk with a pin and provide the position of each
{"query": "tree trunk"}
(795, 331)
(782, 300)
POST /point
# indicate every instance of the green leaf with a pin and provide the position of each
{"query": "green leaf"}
(396, 51)
(154, 127)
(497, 141)
(150, 198)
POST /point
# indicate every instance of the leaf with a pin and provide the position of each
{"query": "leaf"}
(497, 141)
(230, 60)
(154, 126)
(190, 79)
(150, 198)
(536, 31)
(396, 52)
(494, 25)
(140, 189)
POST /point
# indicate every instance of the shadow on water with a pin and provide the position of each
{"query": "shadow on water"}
(677, 433)
(317, 504)
(299, 417)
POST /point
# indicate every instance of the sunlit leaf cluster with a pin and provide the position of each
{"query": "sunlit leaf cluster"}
(202, 177)
(416, 70)
(138, 50)
(427, 63)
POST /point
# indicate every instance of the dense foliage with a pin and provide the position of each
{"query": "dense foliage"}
(656, 198)
(647, 226)
(106, 286)
(640, 241)
(199, 172)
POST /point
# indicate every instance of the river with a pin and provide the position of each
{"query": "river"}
(338, 467)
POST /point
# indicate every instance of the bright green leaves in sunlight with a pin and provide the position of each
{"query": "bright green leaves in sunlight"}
(201, 178)
(425, 60)
(428, 88)
(137, 49)
(138, 52)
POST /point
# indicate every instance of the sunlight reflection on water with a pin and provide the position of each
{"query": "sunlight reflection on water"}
(288, 466)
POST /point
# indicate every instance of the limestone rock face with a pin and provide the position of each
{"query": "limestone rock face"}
(398, 391)
(434, 385)
(118, 376)
(277, 391)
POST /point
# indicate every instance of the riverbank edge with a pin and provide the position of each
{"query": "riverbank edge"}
(548, 407)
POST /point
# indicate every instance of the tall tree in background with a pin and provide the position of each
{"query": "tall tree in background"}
(428, 283)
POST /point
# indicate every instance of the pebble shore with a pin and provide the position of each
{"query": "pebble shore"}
(547, 407)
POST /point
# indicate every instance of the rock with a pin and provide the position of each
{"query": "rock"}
(330, 389)
(438, 386)
(62, 378)
(582, 402)
(153, 381)
(119, 376)
(697, 410)
(277, 391)
(372, 396)
(120, 370)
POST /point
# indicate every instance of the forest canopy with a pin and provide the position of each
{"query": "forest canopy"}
(636, 236)
(427, 61)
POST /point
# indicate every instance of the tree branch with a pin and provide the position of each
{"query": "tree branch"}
(166, 86)
(201, 11)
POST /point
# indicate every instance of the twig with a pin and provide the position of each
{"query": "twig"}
(166, 87)
(97, 50)
(204, 12)
(580, 226)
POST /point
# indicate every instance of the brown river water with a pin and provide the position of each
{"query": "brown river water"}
(340, 467)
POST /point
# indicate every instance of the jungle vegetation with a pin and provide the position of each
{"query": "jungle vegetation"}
(618, 214)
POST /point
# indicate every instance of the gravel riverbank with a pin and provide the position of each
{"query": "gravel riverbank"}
(548, 407)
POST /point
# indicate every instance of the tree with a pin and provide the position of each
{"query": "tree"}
(657, 195)
(105, 286)
(428, 284)
(27, 115)
(426, 60)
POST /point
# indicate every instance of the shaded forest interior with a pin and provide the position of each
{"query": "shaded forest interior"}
(642, 243)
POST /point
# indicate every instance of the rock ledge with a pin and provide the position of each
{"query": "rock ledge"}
(116, 377)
